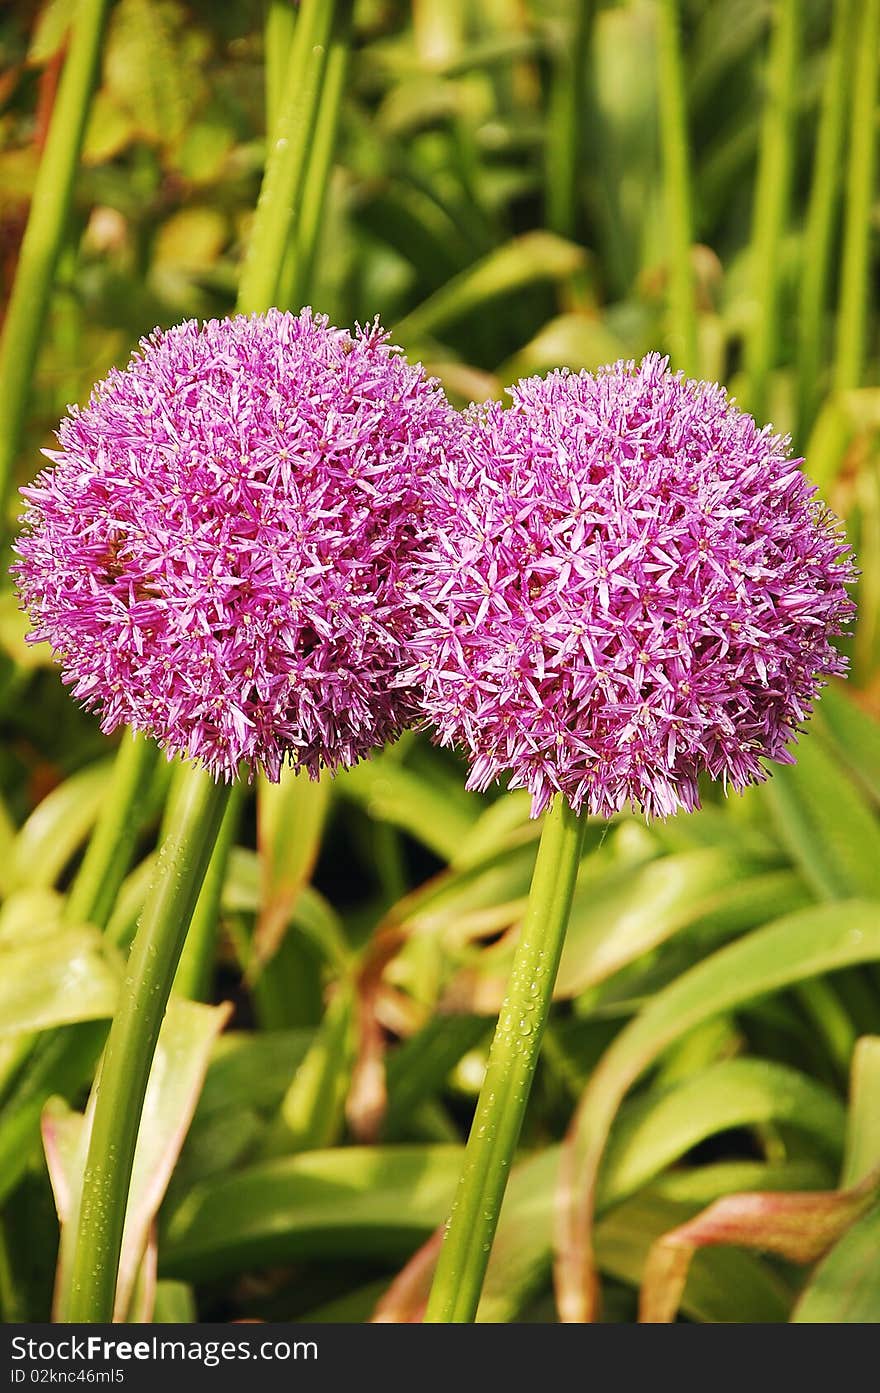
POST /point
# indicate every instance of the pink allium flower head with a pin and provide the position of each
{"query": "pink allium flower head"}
(624, 583)
(216, 554)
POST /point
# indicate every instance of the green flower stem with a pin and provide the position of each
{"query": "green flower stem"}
(128, 1057)
(491, 1146)
(772, 200)
(106, 862)
(289, 146)
(852, 318)
(193, 979)
(200, 814)
(822, 214)
(296, 277)
(41, 245)
(278, 30)
(677, 180)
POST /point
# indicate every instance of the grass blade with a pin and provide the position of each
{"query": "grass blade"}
(852, 315)
(772, 200)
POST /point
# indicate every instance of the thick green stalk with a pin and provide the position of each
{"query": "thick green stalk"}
(677, 192)
(296, 278)
(44, 234)
(822, 216)
(772, 200)
(128, 1056)
(513, 1057)
(278, 37)
(193, 979)
(106, 862)
(852, 317)
(567, 121)
(288, 145)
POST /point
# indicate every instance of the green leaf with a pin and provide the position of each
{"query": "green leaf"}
(374, 1202)
(175, 1304)
(793, 949)
(312, 915)
(526, 260)
(110, 128)
(799, 1227)
(312, 1111)
(636, 926)
(520, 1262)
(390, 792)
(460, 904)
(855, 734)
(178, 1070)
(60, 1063)
(411, 222)
(355, 1307)
(252, 1068)
(482, 895)
(703, 1047)
(130, 901)
(723, 1284)
(624, 151)
(845, 1288)
(653, 1134)
(738, 825)
(216, 1143)
(190, 240)
(654, 1131)
(15, 626)
(58, 826)
(205, 146)
(290, 823)
(29, 914)
(620, 916)
(824, 821)
(152, 66)
(420, 1066)
(575, 341)
(701, 1185)
(50, 31)
(747, 905)
(181, 1059)
(7, 840)
(496, 828)
(55, 980)
(863, 1129)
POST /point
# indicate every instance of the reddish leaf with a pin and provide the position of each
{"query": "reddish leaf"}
(799, 1227)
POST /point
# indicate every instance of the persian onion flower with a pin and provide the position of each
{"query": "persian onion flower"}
(216, 554)
(624, 583)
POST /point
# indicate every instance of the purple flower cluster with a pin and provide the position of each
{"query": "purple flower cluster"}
(623, 583)
(268, 540)
(216, 556)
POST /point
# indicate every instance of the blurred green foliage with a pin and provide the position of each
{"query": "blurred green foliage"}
(500, 199)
